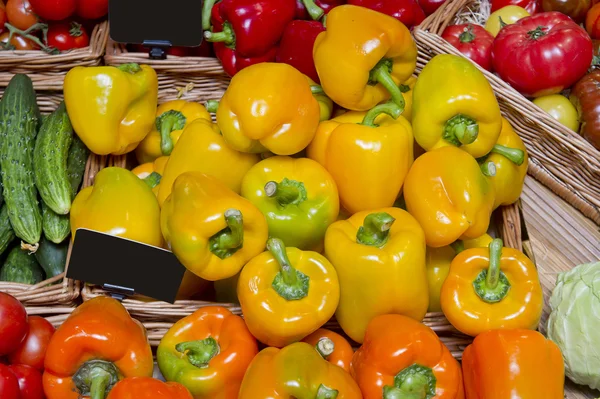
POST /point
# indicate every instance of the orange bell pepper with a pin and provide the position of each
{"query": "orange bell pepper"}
(488, 289)
(148, 388)
(98, 345)
(296, 371)
(507, 364)
(208, 352)
(402, 358)
(332, 346)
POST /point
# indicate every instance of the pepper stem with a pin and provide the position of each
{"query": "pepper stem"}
(166, 123)
(212, 106)
(226, 36)
(130, 67)
(289, 283)
(461, 129)
(96, 378)
(458, 246)
(316, 89)
(288, 192)
(488, 169)
(396, 393)
(200, 352)
(514, 155)
(381, 74)
(326, 393)
(467, 36)
(207, 7)
(491, 285)
(153, 179)
(375, 230)
(229, 240)
(414, 382)
(390, 108)
(313, 9)
(325, 347)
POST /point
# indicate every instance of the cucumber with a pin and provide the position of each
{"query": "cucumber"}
(7, 235)
(50, 161)
(19, 116)
(57, 227)
(52, 257)
(20, 267)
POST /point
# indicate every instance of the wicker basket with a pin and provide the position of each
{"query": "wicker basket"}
(47, 71)
(560, 158)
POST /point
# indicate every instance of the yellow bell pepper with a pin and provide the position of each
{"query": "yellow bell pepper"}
(510, 160)
(363, 56)
(287, 294)
(212, 230)
(448, 194)
(407, 89)
(268, 107)
(454, 104)
(171, 118)
(204, 150)
(438, 265)
(112, 109)
(368, 155)
(379, 256)
(120, 204)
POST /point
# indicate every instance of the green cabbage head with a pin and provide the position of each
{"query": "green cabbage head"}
(574, 324)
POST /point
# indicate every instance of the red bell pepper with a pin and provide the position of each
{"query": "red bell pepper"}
(542, 54)
(409, 12)
(430, 6)
(309, 9)
(296, 47)
(473, 41)
(532, 6)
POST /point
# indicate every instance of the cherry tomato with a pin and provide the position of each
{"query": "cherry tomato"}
(508, 14)
(53, 10)
(67, 35)
(32, 350)
(592, 22)
(3, 16)
(92, 9)
(473, 41)
(30, 381)
(19, 42)
(561, 109)
(13, 324)
(9, 384)
(20, 14)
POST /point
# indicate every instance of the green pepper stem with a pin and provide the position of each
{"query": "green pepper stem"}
(413, 382)
(288, 192)
(99, 385)
(200, 352)
(289, 283)
(227, 36)
(515, 155)
(375, 229)
(207, 7)
(396, 393)
(492, 285)
(458, 246)
(166, 123)
(229, 240)
(153, 179)
(381, 74)
(212, 106)
(488, 169)
(493, 274)
(316, 89)
(390, 108)
(130, 67)
(326, 393)
(325, 347)
(467, 36)
(461, 129)
(96, 378)
(313, 9)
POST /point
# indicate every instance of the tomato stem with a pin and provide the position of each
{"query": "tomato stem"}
(467, 36)
(537, 33)
(75, 30)
(27, 35)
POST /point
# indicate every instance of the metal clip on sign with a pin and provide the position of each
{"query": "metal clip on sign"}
(117, 292)
(157, 48)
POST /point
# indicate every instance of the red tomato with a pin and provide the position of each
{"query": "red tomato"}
(67, 35)
(30, 381)
(542, 54)
(32, 350)
(592, 22)
(13, 324)
(532, 6)
(473, 41)
(19, 42)
(92, 9)
(3, 16)
(20, 14)
(53, 10)
(430, 6)
(9, 384)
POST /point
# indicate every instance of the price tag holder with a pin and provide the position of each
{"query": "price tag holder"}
(124, 267)
(156, 24)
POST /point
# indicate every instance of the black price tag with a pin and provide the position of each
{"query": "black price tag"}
(156, 23)
(124, 267)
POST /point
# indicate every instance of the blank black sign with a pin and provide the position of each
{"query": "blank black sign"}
(99, 258)
(178, 22)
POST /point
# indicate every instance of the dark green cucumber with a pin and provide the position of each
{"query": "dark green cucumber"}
(50, 161)
(7, 235)
(52, 257)
(19, 116)
(20, 267)
(57, 227)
